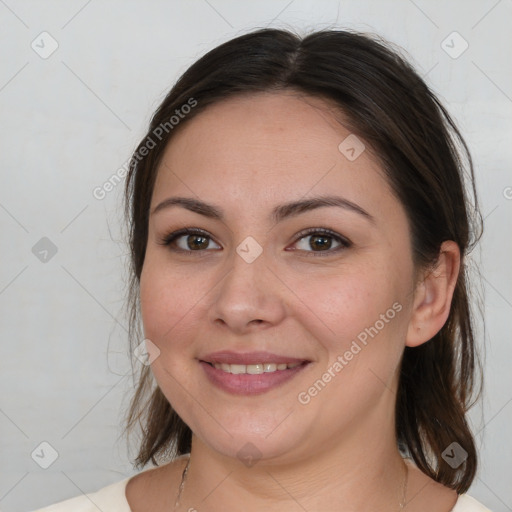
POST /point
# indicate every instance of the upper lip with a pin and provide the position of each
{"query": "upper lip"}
(230, 357)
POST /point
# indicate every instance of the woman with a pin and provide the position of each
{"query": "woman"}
(299, 227)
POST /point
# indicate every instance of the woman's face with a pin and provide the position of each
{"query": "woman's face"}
(263, 275)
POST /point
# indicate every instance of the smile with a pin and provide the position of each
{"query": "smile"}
(250, 379)
(253, 369)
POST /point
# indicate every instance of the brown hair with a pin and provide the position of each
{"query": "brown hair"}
(383, 101)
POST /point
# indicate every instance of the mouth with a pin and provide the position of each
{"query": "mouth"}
(254, 369)
(250, 373)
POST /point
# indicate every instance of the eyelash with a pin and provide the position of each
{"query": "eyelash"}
(168, 239)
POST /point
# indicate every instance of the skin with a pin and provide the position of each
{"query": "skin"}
(247, 155)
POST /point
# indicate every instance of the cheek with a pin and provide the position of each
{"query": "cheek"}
(168, 302)
(361, 324)
(359, 319)
(342, 306)
(166, 297)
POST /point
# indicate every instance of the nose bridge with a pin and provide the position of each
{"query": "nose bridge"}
(245, 276)
(248, 291)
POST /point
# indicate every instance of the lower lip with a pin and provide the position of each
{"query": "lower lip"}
(247, 384)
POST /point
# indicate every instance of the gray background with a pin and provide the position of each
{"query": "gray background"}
(70, 120)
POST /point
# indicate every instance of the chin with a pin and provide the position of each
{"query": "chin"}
(255, 440)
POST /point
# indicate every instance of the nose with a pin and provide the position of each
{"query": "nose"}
(249, 297)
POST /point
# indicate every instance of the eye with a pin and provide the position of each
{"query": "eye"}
(188, 240)
(321, 240)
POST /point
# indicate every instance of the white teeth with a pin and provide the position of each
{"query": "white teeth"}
(237, 368)
(254, 369)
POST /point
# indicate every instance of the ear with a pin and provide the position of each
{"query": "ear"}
(433, 296)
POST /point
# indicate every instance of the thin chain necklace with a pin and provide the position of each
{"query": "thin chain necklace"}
(182, 484)
(404, 487)
(185, 471)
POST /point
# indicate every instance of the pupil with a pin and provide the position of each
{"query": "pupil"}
(202, 244)
(321, 242)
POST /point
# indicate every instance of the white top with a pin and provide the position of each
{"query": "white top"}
(113, 499)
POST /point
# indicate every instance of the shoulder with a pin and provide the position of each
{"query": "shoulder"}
(127, 495)
(111, 497)
(466, 503)
(435, 496)
(151, 489)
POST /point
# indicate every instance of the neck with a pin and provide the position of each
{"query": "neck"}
(364, 472)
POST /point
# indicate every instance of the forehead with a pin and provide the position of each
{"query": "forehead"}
(270, 147)
(284, 122)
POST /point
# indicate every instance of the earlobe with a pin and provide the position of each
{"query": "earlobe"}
(433, 296)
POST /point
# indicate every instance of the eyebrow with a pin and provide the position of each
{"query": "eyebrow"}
(278, 214)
